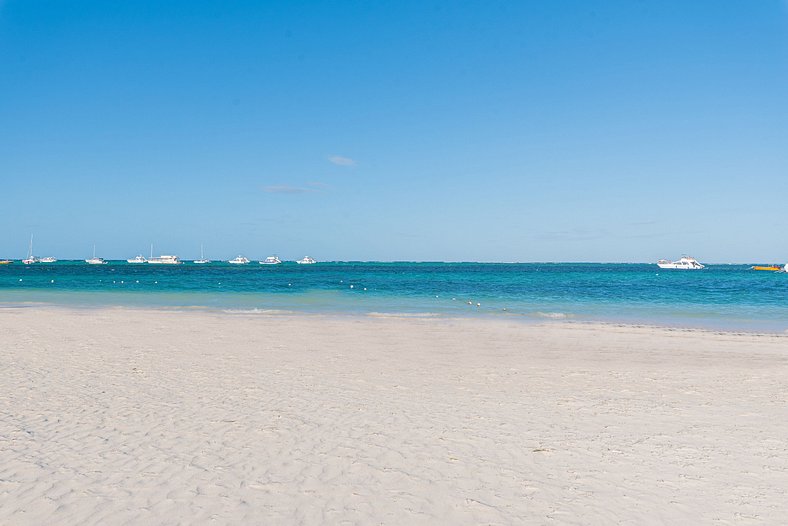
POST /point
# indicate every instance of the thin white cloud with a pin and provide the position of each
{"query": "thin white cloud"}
(287, 189)
(309, 188)
(341, 161)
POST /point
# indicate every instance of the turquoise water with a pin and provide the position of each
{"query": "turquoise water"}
(721, 296)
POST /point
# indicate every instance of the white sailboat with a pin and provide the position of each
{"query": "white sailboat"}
(30, 257)
(94, 260)
(202, 260)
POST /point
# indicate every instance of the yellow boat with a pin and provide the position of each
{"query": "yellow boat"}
(5, 261)
(773, 268)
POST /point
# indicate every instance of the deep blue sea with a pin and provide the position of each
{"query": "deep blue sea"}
(720, 296)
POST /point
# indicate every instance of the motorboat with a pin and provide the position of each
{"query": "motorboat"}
(240, 260)
(772, 268)
(5, 262)
(137, 260)
(306, 261)
(271, 260)
(164, 260)
(685, 263)
(48, 259)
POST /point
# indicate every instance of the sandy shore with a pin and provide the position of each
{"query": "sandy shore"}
(145, 417)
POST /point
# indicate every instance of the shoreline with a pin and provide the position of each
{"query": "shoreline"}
(529, 319)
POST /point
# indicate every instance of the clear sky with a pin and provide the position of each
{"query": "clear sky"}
(396, 130)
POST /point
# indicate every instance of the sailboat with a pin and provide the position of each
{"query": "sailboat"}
(94, 260)
(30, 257)
(202, 260)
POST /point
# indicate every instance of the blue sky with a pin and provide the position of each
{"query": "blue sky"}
(408, 130)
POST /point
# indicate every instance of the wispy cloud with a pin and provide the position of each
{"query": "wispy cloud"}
(287, 189)
(341, 161)
(309, 188)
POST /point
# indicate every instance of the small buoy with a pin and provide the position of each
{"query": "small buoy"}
(20, 279)
(113, 281)
(470, 303)
(341, 280)
(351, 286)
(365, 288)
(478, 304)
(289, 284)
(137, 281)
(51, 280)
(454, 299)
(156, 282)
(121, 282)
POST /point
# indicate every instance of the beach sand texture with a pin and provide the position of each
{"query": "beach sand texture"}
(117, 416)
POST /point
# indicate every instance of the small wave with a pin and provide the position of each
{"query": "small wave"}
(553, 315)
(403, 314)
(256, 311)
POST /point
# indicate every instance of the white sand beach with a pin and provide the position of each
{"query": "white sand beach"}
(117, 416)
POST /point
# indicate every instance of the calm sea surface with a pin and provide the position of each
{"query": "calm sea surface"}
(720, 296)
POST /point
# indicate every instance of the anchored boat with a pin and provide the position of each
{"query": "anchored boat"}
(685, 263)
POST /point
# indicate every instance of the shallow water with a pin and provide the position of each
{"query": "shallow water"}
(720, 296)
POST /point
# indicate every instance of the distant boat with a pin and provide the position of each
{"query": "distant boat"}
(306, 261)
(48, 259)
(202, 260)
(240, 260)
(94, 260)
(685, 263)
(271, 260)
(137, 260)
(30, 257)
(5, 261)
(773, 268)
(164, 260)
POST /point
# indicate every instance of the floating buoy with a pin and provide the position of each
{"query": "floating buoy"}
(478, 304)
(51, 280)
(365, 288)
(351, 286)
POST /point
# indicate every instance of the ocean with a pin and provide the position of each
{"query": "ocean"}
(730, 297)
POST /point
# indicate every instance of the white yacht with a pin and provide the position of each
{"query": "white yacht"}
(202, 260)
(30, 259)
(137, 260)
(240, 260)
(306, 261)
(685, 263)
(48, 259)
(164, 260)
(271, 260)
(94, 260)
